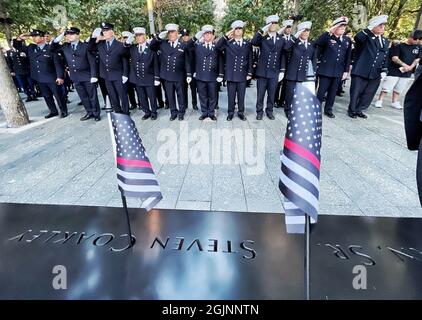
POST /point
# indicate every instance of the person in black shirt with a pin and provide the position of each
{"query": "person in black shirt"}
(403, 59)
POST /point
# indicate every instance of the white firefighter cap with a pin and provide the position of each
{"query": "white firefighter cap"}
(207, 28)
(302, 27)
(287, 23)
(171, 27)
(340, 21)
(274, 18)
(376, 21)
(238, 24)
(139, 30)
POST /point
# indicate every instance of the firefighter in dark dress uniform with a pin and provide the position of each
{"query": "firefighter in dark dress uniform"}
(370, 65)
(144, 72)
(335, 52)
(47, 70)
(238, 67)
(269, 70)
(82, 69)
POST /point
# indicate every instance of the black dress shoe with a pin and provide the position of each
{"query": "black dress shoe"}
(276, 105)
(34, 99)
(166, 106)
(259, 117)
(352, 115)
(51, 115)
(132, 107)
(145, 117)
(97, 118)
(29, 99)
(362, 115)
(154, 117)
(329, 114)
(229, 118)
(160, 106)
(80, 103)
(242, 117)
(173, 117)
(202, 117)
(217, 107)
(195, 107)
(64, 115)
(270, 116)
(181, 117)
(86, 117)
(213, 118)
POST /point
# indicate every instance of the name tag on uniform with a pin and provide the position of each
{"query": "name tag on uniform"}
(46, 55)
(180, 50)
(333, 41)
(22, 54)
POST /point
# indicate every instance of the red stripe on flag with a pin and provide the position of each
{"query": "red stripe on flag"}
(303, 152)
(133, 163)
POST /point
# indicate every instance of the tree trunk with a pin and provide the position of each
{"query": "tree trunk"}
(13, 108)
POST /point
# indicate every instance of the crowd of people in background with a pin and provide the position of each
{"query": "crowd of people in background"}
(159, 71)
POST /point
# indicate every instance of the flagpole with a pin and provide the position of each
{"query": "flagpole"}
(109, 109)
(307, 257)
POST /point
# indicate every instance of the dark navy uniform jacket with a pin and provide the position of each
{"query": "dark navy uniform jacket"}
(370, 58)
(45, 65)
(334, 55)
(18, 62)
(174, 62)
(269, 60)
(113, 64)
(143, 67)
(81, 62)
(238, 59)
(298, 59)
(208, 63)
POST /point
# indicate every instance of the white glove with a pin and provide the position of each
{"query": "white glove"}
(157, 83)
(265, 29)
(199, 35)
(281, 31)
(345, 75)
(280, 76)
(130, 39)
(194, 75)
(94, 80)
(124, 79)
(96, 33)
(163, 35)
(188, 79)
(219, 79)
(383, 75)
(59, 38)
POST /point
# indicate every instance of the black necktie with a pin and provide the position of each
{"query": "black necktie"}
(74, 47)
(108, 45)
(208, 46)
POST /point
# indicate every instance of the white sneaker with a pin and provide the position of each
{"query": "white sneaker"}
(378, 104)
(396, 105)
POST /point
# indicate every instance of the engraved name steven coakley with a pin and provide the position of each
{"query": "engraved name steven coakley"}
(220, 310)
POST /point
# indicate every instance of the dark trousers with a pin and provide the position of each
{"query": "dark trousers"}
(131, 94)
(50, 90)
(290, 87)
(147, 99)
(208, 92)
(327, 86)
(362, 91)
(26, 83)
(236, 89)
(280, 94)
(193, 91)
(173, 88)
(87, 92)
(263, 85)
(159, 95)
(103, 88)
(117, 91)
